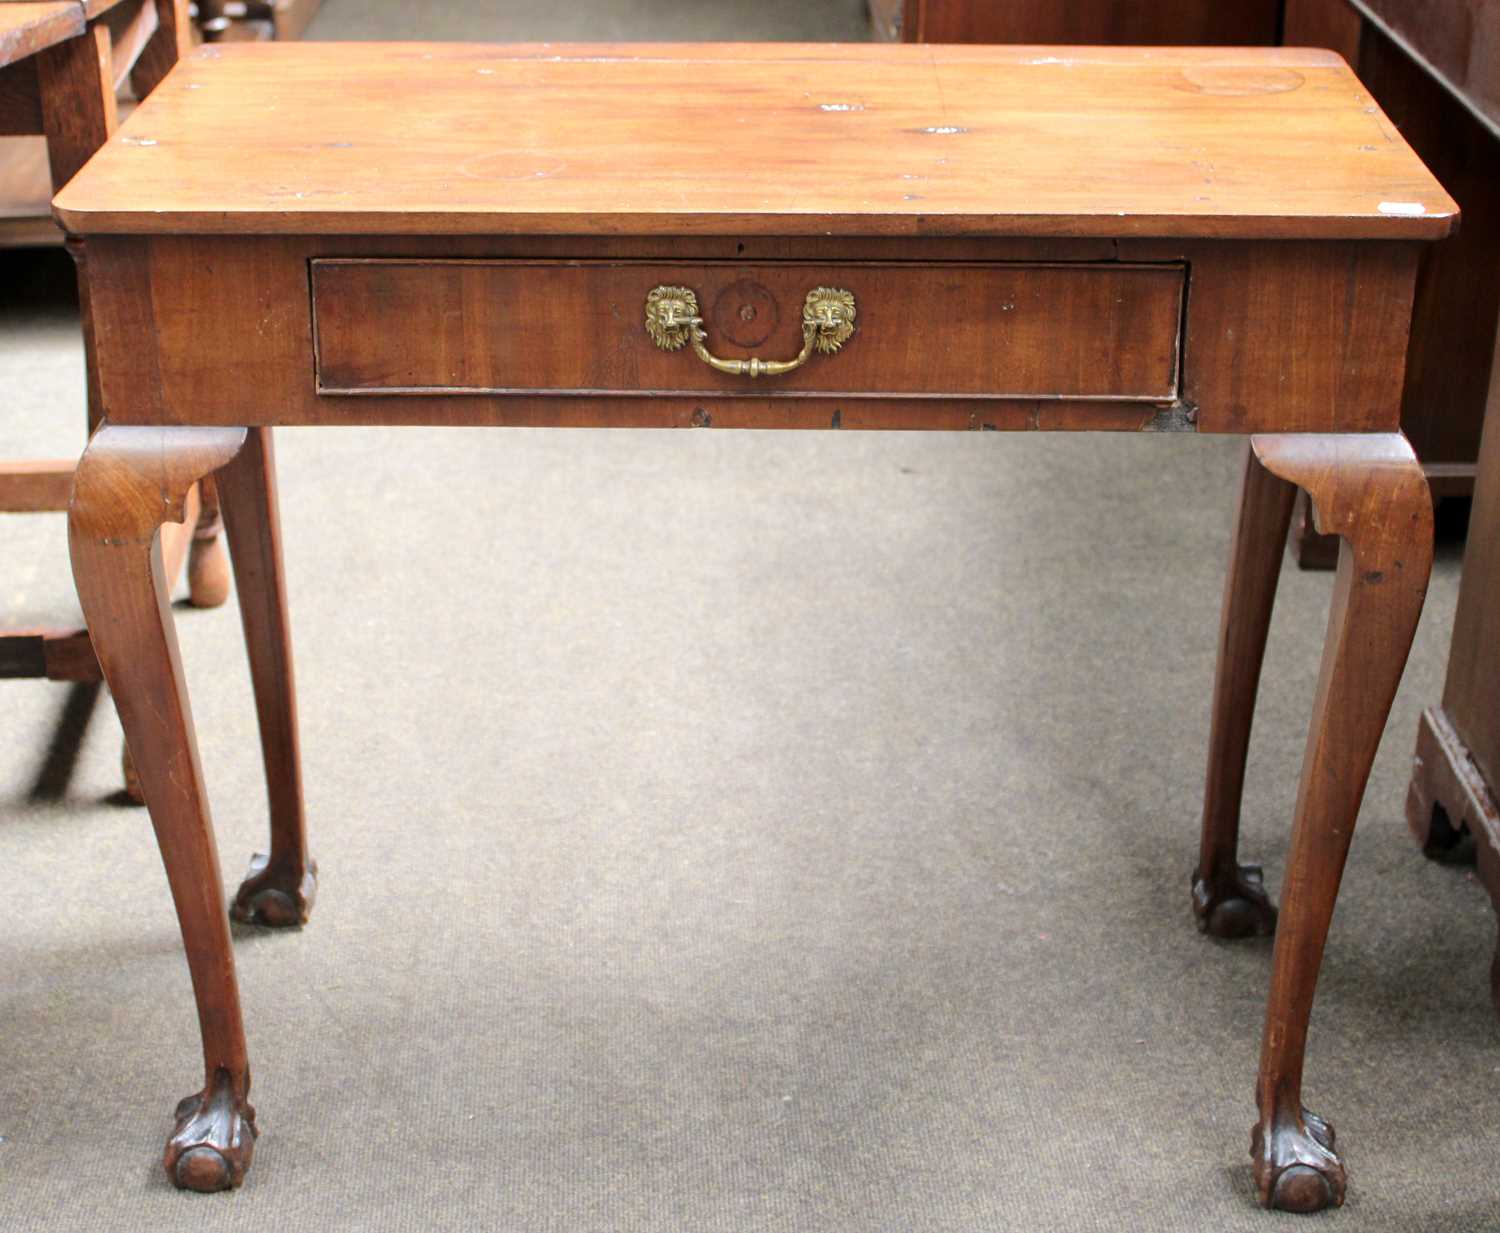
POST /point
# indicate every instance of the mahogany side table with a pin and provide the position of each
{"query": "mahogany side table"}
(777, 236)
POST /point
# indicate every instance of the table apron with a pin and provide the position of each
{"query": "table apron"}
(1212, 335)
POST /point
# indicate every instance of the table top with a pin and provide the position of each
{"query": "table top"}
(846, 139)
(26, 29)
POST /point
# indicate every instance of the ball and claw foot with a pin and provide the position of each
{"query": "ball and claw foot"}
(268, 896)
(1296, 1169)
(1236, 906)
(214, 1139)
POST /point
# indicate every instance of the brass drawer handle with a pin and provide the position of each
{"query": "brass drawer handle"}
(672, 320)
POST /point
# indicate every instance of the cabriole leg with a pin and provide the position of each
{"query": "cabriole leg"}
(1229, 899)
(128, 483)
(1369, 491)
(283, 883)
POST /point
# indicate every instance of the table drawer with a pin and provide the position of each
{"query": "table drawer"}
(992, 330)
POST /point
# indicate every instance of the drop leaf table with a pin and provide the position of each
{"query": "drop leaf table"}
(777, 236)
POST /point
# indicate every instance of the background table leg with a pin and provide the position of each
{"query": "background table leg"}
(283, 883)
(208, 567)
(1229, 899)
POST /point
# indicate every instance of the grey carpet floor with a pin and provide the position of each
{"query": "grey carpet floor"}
(722, 832)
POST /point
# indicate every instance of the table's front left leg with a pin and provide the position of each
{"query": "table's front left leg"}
(1370, 491)
(129, 482)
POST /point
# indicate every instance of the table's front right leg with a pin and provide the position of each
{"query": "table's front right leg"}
(129, 482)
(1370, 491)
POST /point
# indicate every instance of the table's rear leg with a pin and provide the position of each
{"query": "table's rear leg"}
(208, 569)
(283, 883)
(1370, 491)
(1229, 899)
(128, 483)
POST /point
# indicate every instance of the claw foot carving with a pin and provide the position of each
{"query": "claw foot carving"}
(1296, 1169)
(270, 895)
(1236, 906)
(214, 1139)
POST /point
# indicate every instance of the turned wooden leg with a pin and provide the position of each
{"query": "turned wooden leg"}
(1369, 491)
(283, 883)
(1229, 899)
(208, 566)
(128, 483)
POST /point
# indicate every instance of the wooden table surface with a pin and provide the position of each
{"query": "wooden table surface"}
(26, 29)
(855, 140)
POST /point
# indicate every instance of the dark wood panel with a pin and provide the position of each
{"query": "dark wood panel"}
(1457, 305)
(1093, 21)
(1458, 291)
(1294, 337)
(1460, 39)
(1289, 336)
(1471, 696)
(1016, 331)
(1334, 24)
(20, 100)
(1455, 784)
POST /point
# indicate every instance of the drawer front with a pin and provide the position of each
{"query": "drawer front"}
(999, 330)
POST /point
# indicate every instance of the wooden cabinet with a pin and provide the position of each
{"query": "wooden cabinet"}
(1455, 783)
(1232, 22)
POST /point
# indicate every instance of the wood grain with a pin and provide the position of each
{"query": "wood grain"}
(1459, 40)
(171, 40)
(1457, 308)
(1334, 24)
(1455, 783)
(1471, 695)
(1159, 22)
(997, 331)
(282, 883)
(1300, 337)
(78, 100)
(1369, 491)
(20, 103)
(28, 486)
(754, 139)
(26, 29)
(1229, 898)
(128, 483)
(503, 227)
